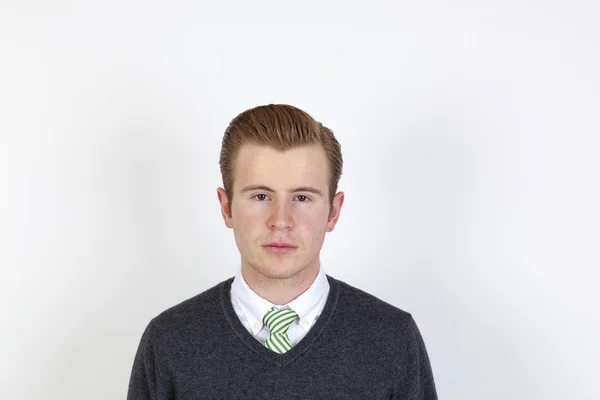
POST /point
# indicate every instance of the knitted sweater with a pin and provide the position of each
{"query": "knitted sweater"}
(359, 348)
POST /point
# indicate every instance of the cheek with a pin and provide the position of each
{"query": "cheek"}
(314, 225)
(247, 224)
(312, 220)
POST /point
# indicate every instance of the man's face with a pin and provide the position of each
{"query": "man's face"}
(282, 198)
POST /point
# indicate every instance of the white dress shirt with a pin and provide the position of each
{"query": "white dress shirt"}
(251, 308)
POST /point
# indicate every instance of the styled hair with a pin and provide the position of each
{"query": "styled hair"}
(281, 127)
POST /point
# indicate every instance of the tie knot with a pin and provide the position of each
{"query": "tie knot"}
(278, 321)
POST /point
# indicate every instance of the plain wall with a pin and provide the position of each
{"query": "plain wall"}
(470, 132)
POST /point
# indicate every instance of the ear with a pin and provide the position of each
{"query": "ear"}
(338, 201)
(224, 202)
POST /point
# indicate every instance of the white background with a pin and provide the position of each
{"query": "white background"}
(470, 132)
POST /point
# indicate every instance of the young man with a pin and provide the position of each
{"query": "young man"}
(281, 328)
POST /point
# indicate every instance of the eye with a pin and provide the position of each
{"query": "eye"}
(303, 199)
(260, 196)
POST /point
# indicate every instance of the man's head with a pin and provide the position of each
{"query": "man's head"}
(280, 172)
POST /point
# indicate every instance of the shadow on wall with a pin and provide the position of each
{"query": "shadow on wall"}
(436, 175)
(131, 271)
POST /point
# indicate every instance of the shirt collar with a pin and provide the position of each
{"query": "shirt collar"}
(255, 307)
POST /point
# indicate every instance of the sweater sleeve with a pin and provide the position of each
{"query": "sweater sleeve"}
(418, 383)
(143, 380)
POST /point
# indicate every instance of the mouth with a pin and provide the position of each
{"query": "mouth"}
(279, 248)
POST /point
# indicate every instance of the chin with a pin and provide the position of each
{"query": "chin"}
(279, 270)
(281, 273)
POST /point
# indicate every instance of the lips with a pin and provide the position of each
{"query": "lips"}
(279, 247)
(280, 244)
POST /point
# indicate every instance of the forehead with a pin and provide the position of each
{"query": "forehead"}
(306, 165)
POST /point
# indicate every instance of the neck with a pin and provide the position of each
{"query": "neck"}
(280, 291)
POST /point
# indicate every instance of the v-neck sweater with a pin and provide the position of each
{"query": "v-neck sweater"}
(360, 348)
(250, 308)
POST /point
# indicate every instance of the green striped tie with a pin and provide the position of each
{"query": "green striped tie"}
(278, 322)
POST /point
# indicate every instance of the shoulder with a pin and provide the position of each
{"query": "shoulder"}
(198, 314)
(361, 307)
(380, 330)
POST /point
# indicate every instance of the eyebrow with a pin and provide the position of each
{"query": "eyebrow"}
(295, 190)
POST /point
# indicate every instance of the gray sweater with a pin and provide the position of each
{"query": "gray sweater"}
(359, 348)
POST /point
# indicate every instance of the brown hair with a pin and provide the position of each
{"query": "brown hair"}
(282, 127)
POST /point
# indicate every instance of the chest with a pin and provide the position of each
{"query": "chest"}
(324, 375)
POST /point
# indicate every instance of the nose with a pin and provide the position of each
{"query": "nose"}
(281, 216)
